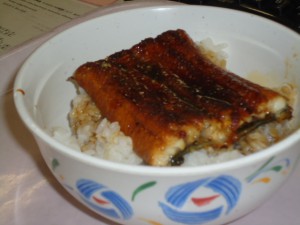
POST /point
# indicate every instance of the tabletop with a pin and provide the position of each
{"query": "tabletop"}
(30, 194)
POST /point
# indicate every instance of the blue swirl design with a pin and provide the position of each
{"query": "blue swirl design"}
(190, 217)
(178, 196)
(112, 205)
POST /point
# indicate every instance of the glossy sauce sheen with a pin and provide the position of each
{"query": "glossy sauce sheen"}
(167, 97)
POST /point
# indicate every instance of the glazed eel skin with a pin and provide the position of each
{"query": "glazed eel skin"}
(168, 98)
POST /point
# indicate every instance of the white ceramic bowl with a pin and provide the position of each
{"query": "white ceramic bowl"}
(137, 195)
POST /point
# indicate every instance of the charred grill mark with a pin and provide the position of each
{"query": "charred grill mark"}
(255, 123)
(155, 71)
(198, 71)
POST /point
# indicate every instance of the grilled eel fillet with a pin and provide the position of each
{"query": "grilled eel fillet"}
(168, 97)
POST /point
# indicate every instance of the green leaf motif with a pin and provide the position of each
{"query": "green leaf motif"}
(276, 168)
(257, 172)
(54, 164)
(142, 188)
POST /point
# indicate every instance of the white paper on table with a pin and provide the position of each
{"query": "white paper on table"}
(23, 20)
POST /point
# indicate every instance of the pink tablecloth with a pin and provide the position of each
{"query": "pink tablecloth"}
(30, 195)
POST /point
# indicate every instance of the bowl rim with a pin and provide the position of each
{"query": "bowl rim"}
(144, 170)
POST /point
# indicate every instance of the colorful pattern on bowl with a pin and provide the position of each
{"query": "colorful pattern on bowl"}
(224, 186)
(224, 189)
(104, 200)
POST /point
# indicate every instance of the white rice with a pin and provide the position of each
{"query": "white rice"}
(96, 136)
(215, 52)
